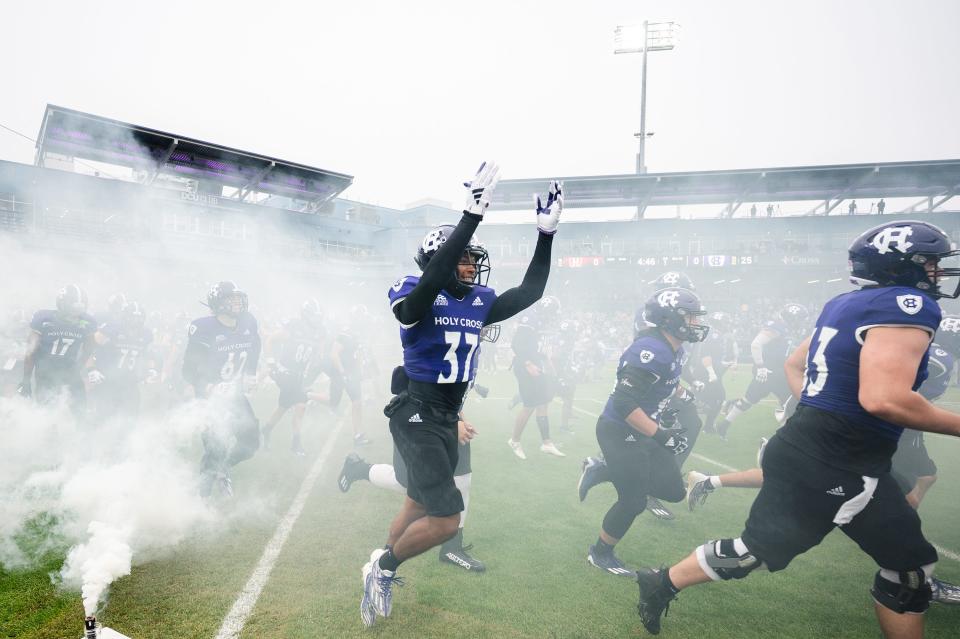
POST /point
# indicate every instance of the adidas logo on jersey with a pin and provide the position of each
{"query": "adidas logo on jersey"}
(838, 491)
(440, 301)
(415, 419)
(477, 302)
(630, 438)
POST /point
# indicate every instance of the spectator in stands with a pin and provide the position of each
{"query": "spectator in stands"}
(753, 210)
(770, 210)
(881, 205)
(852, 209)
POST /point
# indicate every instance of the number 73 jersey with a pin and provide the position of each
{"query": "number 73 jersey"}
(442, 347)
(833, 362)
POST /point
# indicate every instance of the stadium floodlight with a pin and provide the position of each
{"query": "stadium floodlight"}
(650, 36)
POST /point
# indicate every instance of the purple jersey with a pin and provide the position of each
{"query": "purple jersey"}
(61, 341)
(121, 357)
(833, 362)
(653, 355)
(218, 354)
(442, 347)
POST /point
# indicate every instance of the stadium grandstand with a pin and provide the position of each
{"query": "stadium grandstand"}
(99, 182)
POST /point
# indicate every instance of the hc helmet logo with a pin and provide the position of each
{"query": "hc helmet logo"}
(893, 238)
(671, 278)
(434, 240)
(668, 298)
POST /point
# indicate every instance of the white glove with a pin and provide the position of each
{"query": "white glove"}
(481, 188)
(711, 375)
(762, 374)
(548, 215)
(95, 377)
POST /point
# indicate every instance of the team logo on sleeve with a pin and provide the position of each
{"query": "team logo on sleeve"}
(398, 284)
(910, 304)
(893, 238)
(646, 357)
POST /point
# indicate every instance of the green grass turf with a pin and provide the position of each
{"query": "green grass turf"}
(527, 525)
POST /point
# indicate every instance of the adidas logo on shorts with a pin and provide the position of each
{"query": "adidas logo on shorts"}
(477, 302)
(838, 491)
(415, 419)
(440, 301)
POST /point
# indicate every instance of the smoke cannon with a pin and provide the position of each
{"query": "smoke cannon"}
(93, 630)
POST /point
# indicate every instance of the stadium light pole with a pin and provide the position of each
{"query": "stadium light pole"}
(655, 36)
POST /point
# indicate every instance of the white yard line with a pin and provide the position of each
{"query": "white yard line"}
(943, 552)
(237, 617)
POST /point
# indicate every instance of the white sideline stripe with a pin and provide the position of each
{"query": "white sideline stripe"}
(237, 617)
(943, 552)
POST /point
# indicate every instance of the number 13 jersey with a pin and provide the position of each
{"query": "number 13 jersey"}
(855, 439)
(442, 347)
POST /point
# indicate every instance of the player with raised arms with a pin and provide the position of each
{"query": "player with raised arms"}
(441, 313)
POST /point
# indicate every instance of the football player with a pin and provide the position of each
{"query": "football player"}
(394, 477)
(856, 378)
(121, 360)
(60, 341)
(441, 313)
(681, 404)
(717, 354)
(534, 374)
(769, 350)
(639, 436)
(566, 362)
(344, 369)
(294, 354)
(219, 363)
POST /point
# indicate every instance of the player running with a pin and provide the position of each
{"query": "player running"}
(829, 466)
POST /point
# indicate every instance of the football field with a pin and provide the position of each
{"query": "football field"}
(288, 563)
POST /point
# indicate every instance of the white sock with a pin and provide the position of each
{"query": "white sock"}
(463, 483)
(733, 413)
(383, 476)
(715, 481)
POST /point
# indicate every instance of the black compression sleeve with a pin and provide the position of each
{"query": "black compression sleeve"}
(438, 273)
(531, 288)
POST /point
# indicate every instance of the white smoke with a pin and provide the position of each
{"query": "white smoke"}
(112, 492)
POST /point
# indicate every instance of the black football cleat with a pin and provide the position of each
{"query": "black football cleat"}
(655, 598)
(354, 468)
(608, 562)
(593, 471)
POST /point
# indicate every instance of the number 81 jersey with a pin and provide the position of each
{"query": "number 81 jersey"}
(833, 362)
(442, 347)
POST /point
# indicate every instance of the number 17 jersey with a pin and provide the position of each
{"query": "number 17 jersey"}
(441, 348)
(850, 437)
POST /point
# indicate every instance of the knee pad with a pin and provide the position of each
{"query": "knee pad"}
(903, 591)
(724, 559)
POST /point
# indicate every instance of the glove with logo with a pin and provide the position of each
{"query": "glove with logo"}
(95, 377)
(762, 374)
(673, 439)
(548, 215)
(481, 188)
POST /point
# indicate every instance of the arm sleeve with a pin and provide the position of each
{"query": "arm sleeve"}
(756, 346)
(531, 288)
(442, 265)
(633, 385)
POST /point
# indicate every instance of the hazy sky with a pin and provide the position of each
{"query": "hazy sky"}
(409, 96)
